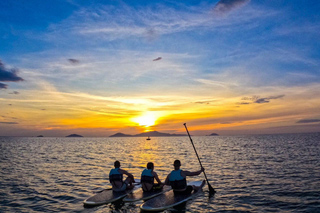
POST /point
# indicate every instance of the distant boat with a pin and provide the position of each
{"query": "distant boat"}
(148, 138)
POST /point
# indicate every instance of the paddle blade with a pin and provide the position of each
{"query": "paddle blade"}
(211, 190)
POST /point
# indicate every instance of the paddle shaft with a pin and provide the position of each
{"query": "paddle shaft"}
(210, 187)
(195, 151)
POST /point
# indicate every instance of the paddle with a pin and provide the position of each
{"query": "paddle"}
(211, 189)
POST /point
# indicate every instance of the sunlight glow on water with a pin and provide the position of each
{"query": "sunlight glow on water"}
(269, 173)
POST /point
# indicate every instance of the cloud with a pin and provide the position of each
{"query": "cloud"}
(262, 100)
(110, 23)
(307, 28)
(208, 101)
(219, 83)
(9, 117)
(258, 100)
(308, 121)
(267, 100)
(224, 7)
(3, 86)
(157, 59)
(14, 93)
(8, 75)
(202, 102)
(73, 61)
(9, 123)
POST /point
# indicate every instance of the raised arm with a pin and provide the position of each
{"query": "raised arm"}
(187, 173)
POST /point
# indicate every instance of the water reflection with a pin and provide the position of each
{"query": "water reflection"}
(250, 173)
(148, 151)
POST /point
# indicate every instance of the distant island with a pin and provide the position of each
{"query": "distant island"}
(120, 135)
(148, 134)
(213, 134)
(40, 136)
(74, 135)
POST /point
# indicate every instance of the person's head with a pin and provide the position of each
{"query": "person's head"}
(116, 164)
(150, 165)
(177, 164)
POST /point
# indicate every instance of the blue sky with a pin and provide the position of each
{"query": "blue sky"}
(229, 66)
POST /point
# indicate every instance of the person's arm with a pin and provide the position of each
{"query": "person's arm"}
(157, 178)
(187, 173)
(166, 182)
(126, 173)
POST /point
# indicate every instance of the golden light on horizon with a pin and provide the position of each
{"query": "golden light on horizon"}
(147, 119)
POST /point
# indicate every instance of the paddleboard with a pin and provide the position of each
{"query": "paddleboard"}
(107, 196)
(139, 194)
(169, 199)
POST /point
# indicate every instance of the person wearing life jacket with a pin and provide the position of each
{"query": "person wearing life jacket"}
(116, 178)
(147, 179)
(178, 179)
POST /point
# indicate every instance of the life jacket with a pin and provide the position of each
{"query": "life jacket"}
(176, 180)
(115, 175)
(147, 176)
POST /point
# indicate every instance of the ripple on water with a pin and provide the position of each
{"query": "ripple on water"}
(278, 173)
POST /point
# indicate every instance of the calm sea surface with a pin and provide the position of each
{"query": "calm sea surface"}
(267, 173)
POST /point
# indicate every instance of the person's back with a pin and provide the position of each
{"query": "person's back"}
(116, 178)
(178, 181)
(147, 178)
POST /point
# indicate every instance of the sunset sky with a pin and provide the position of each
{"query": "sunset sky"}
(96, 68)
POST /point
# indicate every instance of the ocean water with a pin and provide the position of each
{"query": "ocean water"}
(265, 173)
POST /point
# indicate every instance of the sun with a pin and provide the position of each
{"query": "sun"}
(147, 119)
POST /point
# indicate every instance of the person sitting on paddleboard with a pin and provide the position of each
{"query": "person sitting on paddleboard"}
(147, 179)
(178, 181)
(116, 178)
